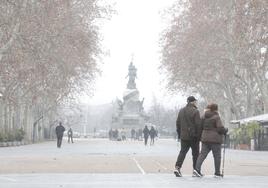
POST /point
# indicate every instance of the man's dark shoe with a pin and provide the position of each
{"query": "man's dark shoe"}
(218, 176)
(177, 172)
(197, 173)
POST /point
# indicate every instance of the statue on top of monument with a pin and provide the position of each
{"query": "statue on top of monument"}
(132, 75)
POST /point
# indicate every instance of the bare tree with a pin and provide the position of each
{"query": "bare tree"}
(48, 51)
(219, 50)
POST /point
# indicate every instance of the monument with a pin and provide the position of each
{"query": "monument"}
(129, 113)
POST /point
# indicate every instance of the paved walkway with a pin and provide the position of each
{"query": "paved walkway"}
(127, 180)
(104, 156)
(104, 163)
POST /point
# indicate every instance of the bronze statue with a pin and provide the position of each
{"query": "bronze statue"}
(132, 75)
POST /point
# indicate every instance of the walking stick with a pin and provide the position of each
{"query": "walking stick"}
(223, 158)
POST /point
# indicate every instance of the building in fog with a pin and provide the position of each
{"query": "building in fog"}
(260, 137)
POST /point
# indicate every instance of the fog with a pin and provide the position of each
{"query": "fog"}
(98, 93)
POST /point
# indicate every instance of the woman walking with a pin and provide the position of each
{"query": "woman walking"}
(212, 136)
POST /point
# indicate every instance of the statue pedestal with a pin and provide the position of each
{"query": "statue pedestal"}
(131, 114)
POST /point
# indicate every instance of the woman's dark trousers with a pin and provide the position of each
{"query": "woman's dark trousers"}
(216, 151)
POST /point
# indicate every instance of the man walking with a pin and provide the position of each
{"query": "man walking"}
(146, 134)
(152, 134)
(59, 132)
(188, 126)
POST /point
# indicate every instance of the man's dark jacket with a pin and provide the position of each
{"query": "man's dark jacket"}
(146, 132)
(189, 123)
(60, 130)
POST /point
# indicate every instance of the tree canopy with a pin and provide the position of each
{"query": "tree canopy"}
(218, 49)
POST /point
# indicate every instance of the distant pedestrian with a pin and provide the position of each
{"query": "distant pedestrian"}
(70, 135)
(110, 134)
(212, 136)
(116, 134)
(140, 134)
(59, 132)
(146, 133)
(152, 134)
(123, 135)
(189, 130)
(133, 134)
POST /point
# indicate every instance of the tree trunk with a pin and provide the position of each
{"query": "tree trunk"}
(1, 116)
(265, 99)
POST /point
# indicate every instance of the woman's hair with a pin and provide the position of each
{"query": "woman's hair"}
(213, 107)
